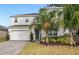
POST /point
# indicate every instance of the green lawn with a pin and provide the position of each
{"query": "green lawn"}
(33, 48)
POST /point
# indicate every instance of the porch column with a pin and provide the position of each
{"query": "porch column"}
(33, 33)
(43, 33)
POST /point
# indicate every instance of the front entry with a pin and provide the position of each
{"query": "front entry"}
(37, 35)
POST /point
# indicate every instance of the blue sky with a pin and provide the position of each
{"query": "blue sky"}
(7, 10)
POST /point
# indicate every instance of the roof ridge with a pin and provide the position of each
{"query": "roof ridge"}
(25, 14)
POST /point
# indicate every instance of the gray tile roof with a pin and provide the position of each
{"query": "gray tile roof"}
(21, 15)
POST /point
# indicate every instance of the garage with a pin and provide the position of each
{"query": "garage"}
(19, 35)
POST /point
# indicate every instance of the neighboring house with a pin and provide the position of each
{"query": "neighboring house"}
(20, 28)
(3, 31)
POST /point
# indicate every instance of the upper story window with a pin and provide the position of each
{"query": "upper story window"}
(26, 20)
(16, 21)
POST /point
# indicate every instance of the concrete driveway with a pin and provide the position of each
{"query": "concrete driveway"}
(11, 47)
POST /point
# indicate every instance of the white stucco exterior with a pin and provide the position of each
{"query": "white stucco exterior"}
(22, 20)
(20, 30)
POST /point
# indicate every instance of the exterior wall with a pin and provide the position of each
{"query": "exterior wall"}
(22, 20)
(21, 32)
(60, 32)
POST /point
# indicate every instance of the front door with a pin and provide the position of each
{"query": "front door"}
(36, 34)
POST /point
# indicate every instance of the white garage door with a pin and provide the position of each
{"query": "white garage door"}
(20, 35)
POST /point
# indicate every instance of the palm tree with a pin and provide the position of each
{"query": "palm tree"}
(60, 19)
(71, 18)
(46, 21)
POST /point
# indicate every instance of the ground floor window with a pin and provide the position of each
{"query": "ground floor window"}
(52, 32)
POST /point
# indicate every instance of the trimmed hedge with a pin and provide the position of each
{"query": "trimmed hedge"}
(59, 40)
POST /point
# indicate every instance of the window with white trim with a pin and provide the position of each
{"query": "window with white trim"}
(52, 33)
(16, 21)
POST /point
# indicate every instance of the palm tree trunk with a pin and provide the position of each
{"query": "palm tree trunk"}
(46, 37)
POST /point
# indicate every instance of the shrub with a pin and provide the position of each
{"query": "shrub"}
(64, 40)
(31, 37)
(4, 38)
(52, 40)
(67, 40)
(7, 37)
(61, 40)
(1, 39)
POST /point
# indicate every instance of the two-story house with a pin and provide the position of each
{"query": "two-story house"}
(20, 27)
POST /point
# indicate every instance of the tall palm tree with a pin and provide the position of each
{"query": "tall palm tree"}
(71, 18)
(46, 21)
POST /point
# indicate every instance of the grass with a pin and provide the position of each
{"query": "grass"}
(33, 48)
